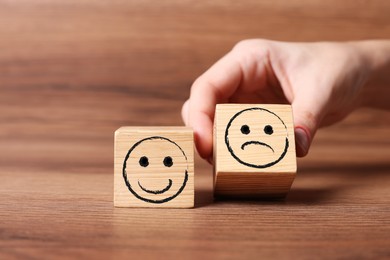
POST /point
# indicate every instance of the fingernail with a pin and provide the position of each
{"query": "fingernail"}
(302, 142)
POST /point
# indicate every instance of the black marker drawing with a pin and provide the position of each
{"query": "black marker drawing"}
(156, 191)
(144, 162)
(256, 142)
(245, 130)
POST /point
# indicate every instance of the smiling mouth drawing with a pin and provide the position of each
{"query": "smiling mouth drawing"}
(156, 191)
(256, 142)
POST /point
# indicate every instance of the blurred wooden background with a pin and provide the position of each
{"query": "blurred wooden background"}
(80, 69)
(71, 72)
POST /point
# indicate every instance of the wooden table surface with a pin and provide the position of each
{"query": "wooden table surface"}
(71, 72)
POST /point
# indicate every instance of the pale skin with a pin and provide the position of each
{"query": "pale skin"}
(324, 82)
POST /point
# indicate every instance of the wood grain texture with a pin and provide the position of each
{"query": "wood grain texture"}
(154, 167)
(254, 150)
(72, 72)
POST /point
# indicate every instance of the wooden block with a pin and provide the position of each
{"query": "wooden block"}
(154, 167)
(254, 150)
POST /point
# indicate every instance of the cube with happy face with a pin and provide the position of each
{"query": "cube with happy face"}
(154, 167)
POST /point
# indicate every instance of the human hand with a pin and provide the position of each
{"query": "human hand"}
(321, 81)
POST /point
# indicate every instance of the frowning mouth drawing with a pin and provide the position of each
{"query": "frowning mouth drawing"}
(256, 143)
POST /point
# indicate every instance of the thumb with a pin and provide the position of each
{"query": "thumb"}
(306, 120)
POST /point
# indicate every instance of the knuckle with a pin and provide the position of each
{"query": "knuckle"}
(249, 44)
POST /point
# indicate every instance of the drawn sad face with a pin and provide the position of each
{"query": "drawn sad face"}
(155, 170)
(257, 138)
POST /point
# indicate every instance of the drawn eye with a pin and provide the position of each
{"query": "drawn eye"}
(144, 161)
(268, 130)
(168, 161)
(245, 129)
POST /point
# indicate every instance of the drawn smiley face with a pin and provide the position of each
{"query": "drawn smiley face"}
(155, 170)
(257, 137)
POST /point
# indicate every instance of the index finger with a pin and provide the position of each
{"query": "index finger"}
(215, 86)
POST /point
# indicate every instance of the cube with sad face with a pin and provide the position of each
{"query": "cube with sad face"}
(254, 150)
(154, 167)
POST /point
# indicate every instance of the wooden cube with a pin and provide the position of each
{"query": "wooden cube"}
(154, 167)
(254, 150)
